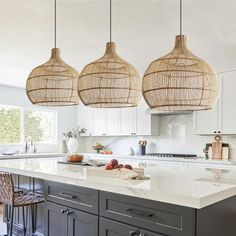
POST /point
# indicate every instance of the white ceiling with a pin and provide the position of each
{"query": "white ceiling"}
(144, 30)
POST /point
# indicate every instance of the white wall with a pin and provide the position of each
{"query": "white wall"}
(176, 136)
(17, 97)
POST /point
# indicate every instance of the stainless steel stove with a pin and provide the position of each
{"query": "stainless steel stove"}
(173, 155)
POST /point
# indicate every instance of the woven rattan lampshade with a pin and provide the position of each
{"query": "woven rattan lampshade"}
(53, 83)
(180, 81)
(109, 82)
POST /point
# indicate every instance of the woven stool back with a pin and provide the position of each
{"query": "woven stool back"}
(6, 189)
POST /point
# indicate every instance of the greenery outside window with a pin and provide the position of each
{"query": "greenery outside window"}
(18, 123)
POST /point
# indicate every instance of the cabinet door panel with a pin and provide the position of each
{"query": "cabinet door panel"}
(205, 122)
(228, 114)
(55, 220)
(85, 119)
(112, 122)
(113, 228)
(128, 121)
(99, 122)
(82, 224)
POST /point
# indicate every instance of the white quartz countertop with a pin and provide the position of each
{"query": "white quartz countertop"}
(185, 184)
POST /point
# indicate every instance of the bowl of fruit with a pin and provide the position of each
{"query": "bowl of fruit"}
(98, 147)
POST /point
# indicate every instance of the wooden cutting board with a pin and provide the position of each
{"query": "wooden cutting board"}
(217, 148)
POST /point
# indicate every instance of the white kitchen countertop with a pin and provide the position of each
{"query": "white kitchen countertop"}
(168, 159)
(185, 184)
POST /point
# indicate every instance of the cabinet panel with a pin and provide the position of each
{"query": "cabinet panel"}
(82, 224)
(167, 219)
(99, 122)
(112, 228)
(228, 103)
(85, 119)
(128, 121)
(85, 199)
(112, 121)
(55, 220)
(206, 122)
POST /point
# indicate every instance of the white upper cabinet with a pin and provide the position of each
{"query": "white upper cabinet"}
(146, 124)
(85, 119)
(205, 122)
(227, 116)
(112, 126)
(128, 121)
(99, 121)
(114, 122)
(221, 119)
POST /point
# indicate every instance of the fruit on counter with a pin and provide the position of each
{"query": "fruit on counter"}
(118, 166)
(127, 166)
(75, 158)
(108, 166)
(109, 152)
(113, 162)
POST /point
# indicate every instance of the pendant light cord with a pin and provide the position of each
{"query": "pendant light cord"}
(180, 17)
(110, 21)
(55, 23)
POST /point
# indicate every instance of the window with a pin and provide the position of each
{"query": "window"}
(18, 124)
(9, 125)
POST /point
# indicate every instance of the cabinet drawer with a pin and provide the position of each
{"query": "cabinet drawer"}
(80, 198)
(113, 228)
(158, 217)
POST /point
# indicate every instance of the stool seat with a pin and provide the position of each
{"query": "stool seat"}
(27, 199)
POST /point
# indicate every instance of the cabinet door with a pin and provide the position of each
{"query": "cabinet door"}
(113, 228)
(147, 233)
(112, 122)
(55, 220)
(228, 114)
(206, 122)
(85, 119)
(82, 224)
(99, 122)
(128, 121)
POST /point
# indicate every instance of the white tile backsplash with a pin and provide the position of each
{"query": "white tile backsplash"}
(176, 135)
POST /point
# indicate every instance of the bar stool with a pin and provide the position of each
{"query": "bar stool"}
(15, 199)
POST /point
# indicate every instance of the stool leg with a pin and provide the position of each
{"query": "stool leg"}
(32, 218)
(35, 220)
(23, 217)
(12, 217)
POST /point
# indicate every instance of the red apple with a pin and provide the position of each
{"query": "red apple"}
(121, 165)
(113, 162)
(118, 166)
(108, 166)
(127, 166)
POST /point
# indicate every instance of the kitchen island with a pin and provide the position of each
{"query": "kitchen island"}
(179, 199)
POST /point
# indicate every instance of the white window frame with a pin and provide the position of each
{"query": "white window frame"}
(22, 130)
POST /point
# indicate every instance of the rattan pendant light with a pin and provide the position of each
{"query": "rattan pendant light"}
(109, 82)
(180, 81)
(53, 83)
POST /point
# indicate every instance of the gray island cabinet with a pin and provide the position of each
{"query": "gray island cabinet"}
(71, 210)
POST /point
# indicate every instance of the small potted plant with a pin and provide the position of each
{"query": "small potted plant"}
(73, 135)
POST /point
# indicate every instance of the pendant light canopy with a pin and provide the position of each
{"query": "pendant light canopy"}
(53, 83)
(109, 82)
(180, 81)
